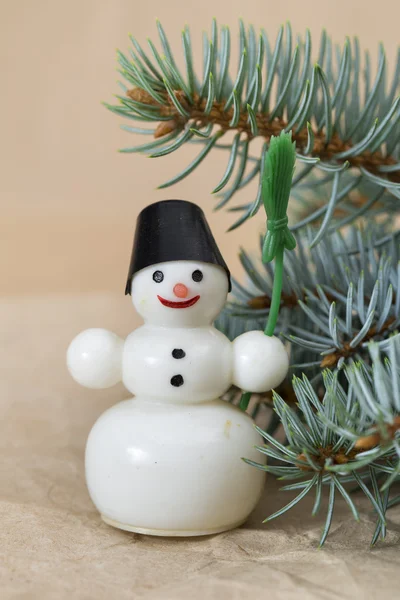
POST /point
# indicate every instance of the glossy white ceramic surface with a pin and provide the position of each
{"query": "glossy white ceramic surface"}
(173, 470)
(260, 362)
(149, 363)
(212, 291)
(94, 358)
(168, 462)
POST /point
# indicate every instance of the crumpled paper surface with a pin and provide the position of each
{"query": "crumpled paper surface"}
(53, 544)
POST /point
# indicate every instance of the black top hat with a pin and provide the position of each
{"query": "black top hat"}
(172, 230)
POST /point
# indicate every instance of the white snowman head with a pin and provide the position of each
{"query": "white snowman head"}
(177, 276)
(180, 293)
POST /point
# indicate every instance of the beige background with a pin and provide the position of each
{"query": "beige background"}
(68, 199)
(68, 207)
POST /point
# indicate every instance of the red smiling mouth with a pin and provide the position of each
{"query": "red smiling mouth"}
(184, 304)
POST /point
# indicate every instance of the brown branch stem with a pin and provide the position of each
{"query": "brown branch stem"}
(266, 128)
(331, 360)
(340, 457)
(346, 351)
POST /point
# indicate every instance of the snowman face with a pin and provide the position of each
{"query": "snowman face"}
(179, 293)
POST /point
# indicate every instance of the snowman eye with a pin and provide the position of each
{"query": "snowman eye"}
(158, 276)
(197, 275)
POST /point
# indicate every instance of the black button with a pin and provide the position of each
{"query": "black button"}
(177, 380)
(178, 353)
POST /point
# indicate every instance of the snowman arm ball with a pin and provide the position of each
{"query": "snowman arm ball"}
(94, 358)
(269, 361)
(260, 362)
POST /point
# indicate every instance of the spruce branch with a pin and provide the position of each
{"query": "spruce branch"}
(275, 88)
(323, 438)
(333, 302)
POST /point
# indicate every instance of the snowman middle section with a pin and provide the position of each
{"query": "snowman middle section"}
(179, 365)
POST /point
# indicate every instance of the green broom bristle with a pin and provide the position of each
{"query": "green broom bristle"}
(277, 180)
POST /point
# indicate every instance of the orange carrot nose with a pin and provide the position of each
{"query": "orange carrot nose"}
(180, 290)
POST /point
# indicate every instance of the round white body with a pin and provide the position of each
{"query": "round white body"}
(173, 469)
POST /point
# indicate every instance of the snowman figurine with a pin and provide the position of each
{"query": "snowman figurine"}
(168, 461)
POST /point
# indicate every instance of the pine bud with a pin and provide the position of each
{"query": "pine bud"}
(165, 127)
(139, 95)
